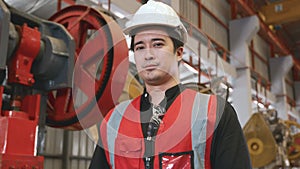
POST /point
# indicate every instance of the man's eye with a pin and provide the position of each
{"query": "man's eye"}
(158, 44)
(138, 48)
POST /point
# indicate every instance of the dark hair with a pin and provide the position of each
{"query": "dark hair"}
(172, 34)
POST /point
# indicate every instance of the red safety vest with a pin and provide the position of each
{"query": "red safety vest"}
(183, 140)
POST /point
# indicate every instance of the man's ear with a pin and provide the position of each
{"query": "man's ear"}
(179, 53)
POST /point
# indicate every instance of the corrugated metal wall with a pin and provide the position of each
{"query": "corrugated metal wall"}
(262, 48)
(82, 149)
(214, 29)
(221, 9)
(189, 9)
(53, 148)
(67, 149)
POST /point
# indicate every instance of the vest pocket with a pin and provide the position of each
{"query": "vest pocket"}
(128, 153)
(181, 160)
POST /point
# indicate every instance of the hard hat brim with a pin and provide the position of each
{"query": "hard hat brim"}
(132, 30)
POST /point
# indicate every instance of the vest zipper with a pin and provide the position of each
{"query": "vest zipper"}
(148, 164)
(155, 121)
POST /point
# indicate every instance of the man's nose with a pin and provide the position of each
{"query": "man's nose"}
(149, 54)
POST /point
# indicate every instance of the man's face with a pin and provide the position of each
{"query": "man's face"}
(154, 55)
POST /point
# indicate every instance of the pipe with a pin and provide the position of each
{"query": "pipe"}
(269, 33)
(265, 28)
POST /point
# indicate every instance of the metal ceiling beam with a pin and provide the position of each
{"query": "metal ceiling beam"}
(281, 12)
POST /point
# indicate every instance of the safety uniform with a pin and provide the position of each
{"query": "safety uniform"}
(183, 140)
(197, 131)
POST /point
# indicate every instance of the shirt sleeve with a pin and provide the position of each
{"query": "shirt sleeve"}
(99, 158)
(229, 148)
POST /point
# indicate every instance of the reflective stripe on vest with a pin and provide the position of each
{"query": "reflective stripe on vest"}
(203, 118)
(202, 130)
(112, 128)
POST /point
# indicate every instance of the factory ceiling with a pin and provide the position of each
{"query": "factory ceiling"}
(283, 17)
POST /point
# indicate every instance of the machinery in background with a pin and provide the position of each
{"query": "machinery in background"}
(272, 143)
(65, 73)
(293, 150)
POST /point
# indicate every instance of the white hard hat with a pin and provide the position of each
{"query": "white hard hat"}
(155, 13)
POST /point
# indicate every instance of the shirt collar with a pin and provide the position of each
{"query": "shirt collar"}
(170, 94)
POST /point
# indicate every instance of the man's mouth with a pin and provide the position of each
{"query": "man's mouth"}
(150, 66)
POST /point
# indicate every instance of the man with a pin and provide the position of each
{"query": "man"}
(168, 126)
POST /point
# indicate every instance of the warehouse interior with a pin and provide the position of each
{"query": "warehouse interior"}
(247, 51)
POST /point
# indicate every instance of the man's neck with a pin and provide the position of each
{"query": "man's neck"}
(157, 93)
